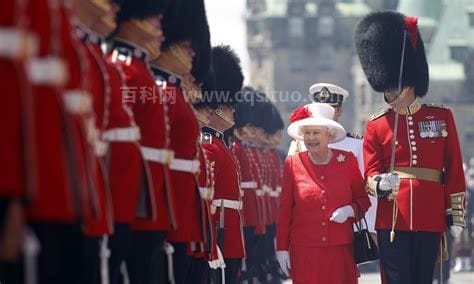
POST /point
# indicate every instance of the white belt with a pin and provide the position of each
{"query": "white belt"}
(162, 156)
(274, 194)
(123, 134)
(100, 148)
(227, 203)
(47, 70)
(266, 189)
(248, 185)
(259, 192)
(182, 165)
(17, 43)
(278, 188)
(206, 193)
(77, 101)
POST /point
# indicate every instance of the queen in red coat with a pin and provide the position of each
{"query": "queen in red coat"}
(323, 193)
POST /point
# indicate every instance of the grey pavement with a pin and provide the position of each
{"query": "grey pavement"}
(456, 278)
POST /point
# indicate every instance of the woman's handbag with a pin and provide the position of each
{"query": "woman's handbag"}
(365, 249)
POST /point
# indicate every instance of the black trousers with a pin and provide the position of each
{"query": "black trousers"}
(10, 271)
(410, 259)
(251, 252)
(59, 260)
(91, 260)
(181, 263)
(143, 259)
(120, 243)
(199, 271)
(232, 267)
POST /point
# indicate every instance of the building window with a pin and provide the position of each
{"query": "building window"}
(296, 27)
(326, 62)
(459, 53)
(326, 26)
(471, 19)
(296, 60)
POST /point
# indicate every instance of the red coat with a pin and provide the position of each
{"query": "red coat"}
(226, 187)
(257, 169)
(248, 184)
(99, 88)
(311, 193)
(145, 98)
(16, 149)
(62, 185)
(266, 184)
(208, 246)
(422, 204)
(184, 141)
(275, 194)
(126, 166)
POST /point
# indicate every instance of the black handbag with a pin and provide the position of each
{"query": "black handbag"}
(365, 249)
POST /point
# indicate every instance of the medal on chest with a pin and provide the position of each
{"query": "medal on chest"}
(432, 128)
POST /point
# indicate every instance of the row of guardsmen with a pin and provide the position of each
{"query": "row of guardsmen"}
(114, 167)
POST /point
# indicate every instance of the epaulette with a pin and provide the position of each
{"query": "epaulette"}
(437, 106)
(206, 137)
(353, 135)
(379, 114)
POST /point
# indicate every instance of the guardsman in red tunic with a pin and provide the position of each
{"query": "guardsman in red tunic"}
(273, 127)
(61, 198)
(211, 253)
(136, 41)
(17, 45)
(227, 204)
(243, 132)
(426, 191)
(115, 126)
(179, 50)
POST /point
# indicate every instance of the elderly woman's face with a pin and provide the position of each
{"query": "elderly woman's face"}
(315, 138)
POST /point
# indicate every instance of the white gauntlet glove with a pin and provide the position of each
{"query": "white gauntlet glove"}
(388, 185)
(455, 231)
(341, 214)
(283, 258)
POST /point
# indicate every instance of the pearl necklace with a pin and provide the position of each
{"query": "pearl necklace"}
(323, 162)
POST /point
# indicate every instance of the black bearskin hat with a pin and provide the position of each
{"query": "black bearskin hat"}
(201, 44)
(141, 9)
(223, 85)
(379, 40)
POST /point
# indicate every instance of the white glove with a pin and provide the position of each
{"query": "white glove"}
(341, 214)
(283, 258)
(455, 230)
(389, 182)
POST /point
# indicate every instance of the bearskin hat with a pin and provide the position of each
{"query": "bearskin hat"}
(201, 44)
(141, 9)
(223, 85)
(379, 42)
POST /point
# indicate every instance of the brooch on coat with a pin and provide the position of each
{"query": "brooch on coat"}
(341, 158)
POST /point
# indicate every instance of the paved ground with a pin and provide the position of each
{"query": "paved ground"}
(456, 278)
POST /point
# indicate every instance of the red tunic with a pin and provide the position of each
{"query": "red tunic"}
(99, 88)
(61, 188)
(276, 188)
(16, 118)
(248, 184)
(257, 169)
(150, 115)
(208, 247)
(310, 194)
(226, 187)
(126, 166)
(421, 204)
(184, 142)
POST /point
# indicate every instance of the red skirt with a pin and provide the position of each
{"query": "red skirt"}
(324, 265)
